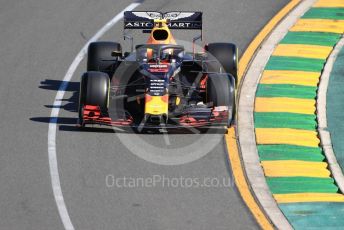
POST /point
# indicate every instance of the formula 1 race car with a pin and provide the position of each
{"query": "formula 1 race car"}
(159, 84)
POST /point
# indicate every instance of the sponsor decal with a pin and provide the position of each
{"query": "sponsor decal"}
(157, 87)
(178, 15)
(139, 25)
(149, 14)
(171, 25)
(158, 68)
(186, 25)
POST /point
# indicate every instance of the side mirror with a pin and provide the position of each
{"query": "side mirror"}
(116, 53)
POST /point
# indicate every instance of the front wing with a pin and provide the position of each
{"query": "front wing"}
(192, 118)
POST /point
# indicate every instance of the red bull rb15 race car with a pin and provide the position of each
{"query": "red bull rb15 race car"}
(159, 84)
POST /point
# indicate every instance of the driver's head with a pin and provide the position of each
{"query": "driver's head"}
(151, 55)
(166, 54)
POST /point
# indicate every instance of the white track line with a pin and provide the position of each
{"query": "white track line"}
(53, 167)
(325, 136)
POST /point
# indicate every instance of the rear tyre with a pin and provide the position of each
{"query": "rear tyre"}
(100, 59)
(226, 55)
(94, 90)
(221, 92)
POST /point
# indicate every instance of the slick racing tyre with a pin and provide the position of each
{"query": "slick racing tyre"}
(226, 54)
(94, 90)
(99, 57)
(221, 92)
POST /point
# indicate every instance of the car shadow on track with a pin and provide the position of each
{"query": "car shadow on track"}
(68, 104)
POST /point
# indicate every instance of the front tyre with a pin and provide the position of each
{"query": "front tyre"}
(225, 54)
(221, 92)
(94, 90)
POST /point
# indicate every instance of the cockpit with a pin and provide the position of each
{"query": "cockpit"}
(156, 53)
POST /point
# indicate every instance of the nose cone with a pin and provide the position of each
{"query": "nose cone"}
(156, 105)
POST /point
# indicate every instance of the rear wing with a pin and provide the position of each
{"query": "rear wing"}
(182, 20)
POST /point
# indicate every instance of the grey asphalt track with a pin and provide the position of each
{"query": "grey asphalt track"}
(39, 40)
